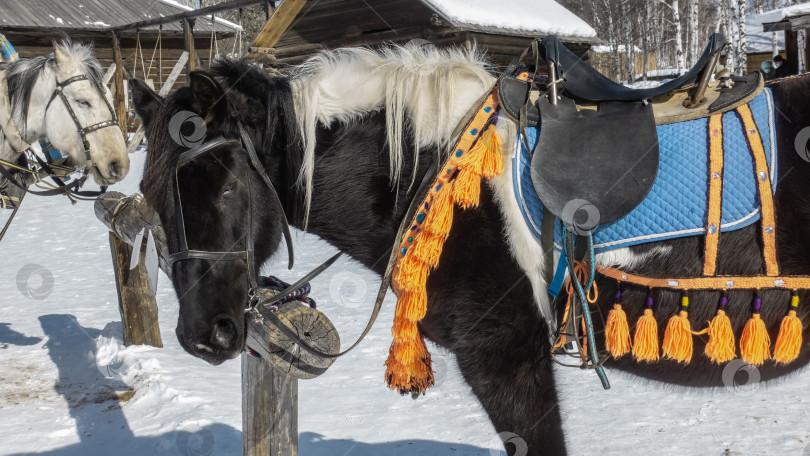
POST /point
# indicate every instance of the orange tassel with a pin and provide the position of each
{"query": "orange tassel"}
(678, 338)
(721, 338)
(412, 305)
(408, 368)
(428, 249)
(413, 273)
(439, 219)
(645, 342)
(789, 341)
(755, 342)
(617, 331)
(492, 164)
(467, 188)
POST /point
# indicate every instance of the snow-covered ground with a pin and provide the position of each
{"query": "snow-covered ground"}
(69, 387)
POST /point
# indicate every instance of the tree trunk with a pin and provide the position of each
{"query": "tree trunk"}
(742, 59)
(676, 20)
(694, 32)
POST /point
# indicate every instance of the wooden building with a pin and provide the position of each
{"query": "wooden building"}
(31, 26)
(503, 29)
(790, 20)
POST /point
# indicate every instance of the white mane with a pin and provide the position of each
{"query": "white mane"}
(431, 88)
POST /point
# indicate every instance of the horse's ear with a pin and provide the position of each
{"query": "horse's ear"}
(207, 91)
(146, 101)
(60, 54)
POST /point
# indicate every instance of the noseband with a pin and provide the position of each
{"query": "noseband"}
(184, 253)
(83, 131)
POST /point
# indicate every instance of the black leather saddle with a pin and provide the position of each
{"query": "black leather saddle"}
(597, 155)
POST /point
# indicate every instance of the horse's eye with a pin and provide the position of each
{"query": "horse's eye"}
(228, 188)
(83, 103)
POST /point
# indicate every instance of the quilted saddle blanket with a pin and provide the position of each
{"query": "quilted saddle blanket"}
(677, 203)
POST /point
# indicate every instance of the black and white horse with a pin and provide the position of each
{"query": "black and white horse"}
(39, 113)
(345, 139)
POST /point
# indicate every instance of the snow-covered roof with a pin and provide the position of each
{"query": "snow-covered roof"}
(758, 41)
(514, 17)
(784, 13)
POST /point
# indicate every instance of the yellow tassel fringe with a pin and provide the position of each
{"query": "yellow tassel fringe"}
(721, 339)
(755, 342)
(617, 332)
(678, 338)
(789, 341)
(645, 343)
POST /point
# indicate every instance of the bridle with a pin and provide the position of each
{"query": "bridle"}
(247, 254)
(259, 295)
(83, 131)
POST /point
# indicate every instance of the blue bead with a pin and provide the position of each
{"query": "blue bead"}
(404, 249)
(420, 217)
(459, 153)
(426, 206)
(449, 171)
(410, 239)
(438, 187)
(487, 109)
(474, 131)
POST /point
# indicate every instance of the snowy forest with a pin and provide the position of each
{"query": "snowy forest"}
(675, 31)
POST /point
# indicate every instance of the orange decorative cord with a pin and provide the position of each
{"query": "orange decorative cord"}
(709, 283)
(764, 188)
(476, 155)
(715, 194)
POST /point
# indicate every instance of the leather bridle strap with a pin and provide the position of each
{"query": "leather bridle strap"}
(257, 165)
(83, 131)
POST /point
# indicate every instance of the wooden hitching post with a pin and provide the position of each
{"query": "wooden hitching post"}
(269, 410)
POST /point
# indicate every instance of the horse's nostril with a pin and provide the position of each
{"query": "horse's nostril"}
(224, 333)
(114, 168)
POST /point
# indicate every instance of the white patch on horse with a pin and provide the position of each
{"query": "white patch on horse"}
(433, 87)
(626, 258)
(524, 247)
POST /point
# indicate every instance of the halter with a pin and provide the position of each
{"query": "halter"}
(83, 131)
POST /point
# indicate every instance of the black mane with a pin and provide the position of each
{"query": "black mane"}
(263, 104)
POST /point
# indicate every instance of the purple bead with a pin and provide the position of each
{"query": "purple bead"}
(649, 301)
(618, 295)
(723, 301)
(757, 303)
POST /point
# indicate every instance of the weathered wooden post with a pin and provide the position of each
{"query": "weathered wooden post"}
(188, 33)
(120, 96)
(136, 301)
(269, 383)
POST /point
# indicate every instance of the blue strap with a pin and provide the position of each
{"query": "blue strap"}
(559, 277)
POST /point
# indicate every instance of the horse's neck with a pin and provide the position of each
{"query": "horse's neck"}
(34, 127)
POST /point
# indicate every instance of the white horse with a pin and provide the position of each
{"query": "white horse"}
(62, 98)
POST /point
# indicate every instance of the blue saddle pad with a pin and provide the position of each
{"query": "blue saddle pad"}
(677, 203)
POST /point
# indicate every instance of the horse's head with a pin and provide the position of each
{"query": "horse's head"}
(81, 120)
(221, 199)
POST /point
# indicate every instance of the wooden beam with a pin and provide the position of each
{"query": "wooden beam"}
(120, 96)
(269, 409)
(277, 25)
(188, 30)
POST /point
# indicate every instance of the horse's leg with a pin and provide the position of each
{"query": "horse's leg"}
(481, 309)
